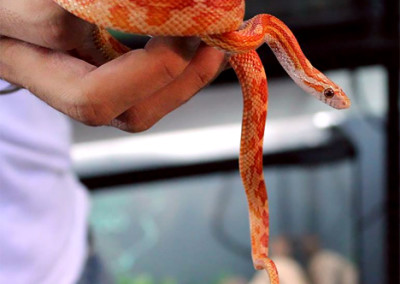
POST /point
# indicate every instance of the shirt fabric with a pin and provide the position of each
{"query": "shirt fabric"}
(43, 207)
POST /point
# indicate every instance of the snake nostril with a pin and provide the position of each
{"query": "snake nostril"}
(346, 104)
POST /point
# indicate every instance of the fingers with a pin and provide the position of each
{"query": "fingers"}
(131, 92)
(94, 95)
(136, 75)
(204, 67)
(43, 23)
(52, 75)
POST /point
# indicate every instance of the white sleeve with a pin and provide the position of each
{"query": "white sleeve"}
(43, 208)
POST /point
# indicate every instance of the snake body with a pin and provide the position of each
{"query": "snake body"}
(219, 23)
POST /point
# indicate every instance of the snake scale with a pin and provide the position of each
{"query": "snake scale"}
(220, 24)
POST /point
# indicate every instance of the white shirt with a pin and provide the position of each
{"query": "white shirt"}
(43, 208)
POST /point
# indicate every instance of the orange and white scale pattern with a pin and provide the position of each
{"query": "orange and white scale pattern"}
(160, 17)
(220, 24)
(267, 28)
(252, 78)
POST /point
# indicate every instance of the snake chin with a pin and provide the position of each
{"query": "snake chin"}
(340, 101)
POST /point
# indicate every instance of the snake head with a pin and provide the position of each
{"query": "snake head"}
(334, 97)
(324, 90)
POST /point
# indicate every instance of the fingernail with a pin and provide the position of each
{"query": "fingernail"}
(188, 46)
(192, 42)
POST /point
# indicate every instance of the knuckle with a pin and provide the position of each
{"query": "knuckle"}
(133, 121)
(203, 77)
(59, 37)
(7, 48)
(65, 32)
(138, 124)
(168, 71)
(90, 114)
(8, 55)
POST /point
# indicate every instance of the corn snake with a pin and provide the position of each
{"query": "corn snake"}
(219, 23)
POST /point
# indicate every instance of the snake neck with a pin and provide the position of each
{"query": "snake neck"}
(267, 28)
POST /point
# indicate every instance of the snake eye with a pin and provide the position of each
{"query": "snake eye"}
(329, 93)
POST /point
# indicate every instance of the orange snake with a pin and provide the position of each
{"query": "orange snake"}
(220, 23)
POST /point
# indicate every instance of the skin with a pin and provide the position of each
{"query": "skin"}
(37, 43)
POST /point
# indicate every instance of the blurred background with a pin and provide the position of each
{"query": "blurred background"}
(169, 206)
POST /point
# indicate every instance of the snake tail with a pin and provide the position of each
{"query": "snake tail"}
(251, 75)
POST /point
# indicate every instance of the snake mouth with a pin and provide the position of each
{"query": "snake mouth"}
(340, 103)
(346, 104)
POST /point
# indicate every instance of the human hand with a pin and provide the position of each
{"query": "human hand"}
(131, 92)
